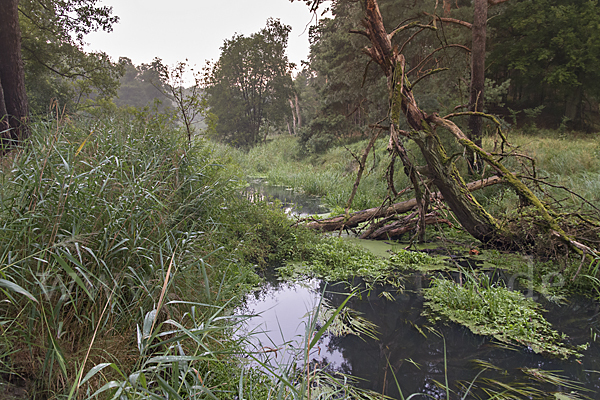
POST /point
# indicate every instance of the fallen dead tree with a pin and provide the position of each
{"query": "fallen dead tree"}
(354, 219)
(386, 230)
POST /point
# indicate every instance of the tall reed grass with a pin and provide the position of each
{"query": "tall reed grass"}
(105, 221)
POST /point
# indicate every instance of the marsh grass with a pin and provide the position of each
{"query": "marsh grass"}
(570, 160)
(92, 212)
(106, 220)
(330, 175)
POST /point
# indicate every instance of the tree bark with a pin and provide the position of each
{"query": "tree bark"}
(12, 75)
(477, 72)
(293, 115)
(298, 114)
(4, 126)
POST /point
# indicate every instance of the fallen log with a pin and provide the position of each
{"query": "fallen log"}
(404, 225)
(356, 218)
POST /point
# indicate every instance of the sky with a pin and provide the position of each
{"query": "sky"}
(176, 30)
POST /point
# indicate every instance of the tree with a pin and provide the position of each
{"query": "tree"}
(250, 83)
(56, 67)
(191, 103)
(13, 99)
(140, 86)
(550, 49)
(441, 169)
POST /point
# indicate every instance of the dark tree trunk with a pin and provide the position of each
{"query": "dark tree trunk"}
(12, 75)
(4, 127)
(477, 72)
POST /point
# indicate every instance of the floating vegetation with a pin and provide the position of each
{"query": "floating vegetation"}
(336, 260)
(417, 260)
(491, 309)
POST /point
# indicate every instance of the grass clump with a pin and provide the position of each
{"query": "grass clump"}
(124, 247)
(490, 309)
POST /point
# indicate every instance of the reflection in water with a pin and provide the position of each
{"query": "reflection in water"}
(415, 353)
(294, 203)
(405, 344)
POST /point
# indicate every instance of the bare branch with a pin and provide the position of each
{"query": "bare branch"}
(428, 73)
(411, 25)
(418, 66)
(451, 20)
(364, 33)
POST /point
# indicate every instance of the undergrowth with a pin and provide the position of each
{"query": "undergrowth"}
(122, 251)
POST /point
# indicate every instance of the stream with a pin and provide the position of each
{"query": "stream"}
(418, 356)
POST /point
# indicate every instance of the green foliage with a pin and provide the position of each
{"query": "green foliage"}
(416, 260)
(335, 259)
(56, 67)
(250, 84)
(104, 217)
(490, 309)
(549, 47)
(191, 102)
(140, 86)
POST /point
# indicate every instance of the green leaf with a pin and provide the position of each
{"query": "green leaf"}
(16, 288)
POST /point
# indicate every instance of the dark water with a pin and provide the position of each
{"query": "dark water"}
(295, 203)
(417, 356)
(405, 344)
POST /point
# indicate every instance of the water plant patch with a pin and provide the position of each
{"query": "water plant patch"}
(493, 310)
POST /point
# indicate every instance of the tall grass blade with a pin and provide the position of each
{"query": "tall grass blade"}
(17, 289)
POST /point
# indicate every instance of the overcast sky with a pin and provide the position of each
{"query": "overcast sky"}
(176, 30)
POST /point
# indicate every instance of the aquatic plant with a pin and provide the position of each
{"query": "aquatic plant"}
(490, 309)
(417, 260)
(336, 260)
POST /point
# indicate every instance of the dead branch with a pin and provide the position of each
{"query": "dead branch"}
(428, 73)
(520, 188)
(460, 46)
(543, 182)
(362, 162)
(354, 219)
(403, 226)
(411, 25)
(450, 20)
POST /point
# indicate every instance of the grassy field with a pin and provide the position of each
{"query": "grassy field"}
(124, 250)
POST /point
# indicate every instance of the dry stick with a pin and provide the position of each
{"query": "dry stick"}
(563, 188)
(162, 292)
(362, 162)
(94, 337)
(409, 170)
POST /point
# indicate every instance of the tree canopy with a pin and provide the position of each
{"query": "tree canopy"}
(56, 67)
(250, 84)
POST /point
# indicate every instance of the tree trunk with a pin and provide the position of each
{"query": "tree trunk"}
(478, 31)
(574, 100)
(4, 126)
(12, 75)
(447, 7)
(442, 171)
(293, 115)
(298, 115)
